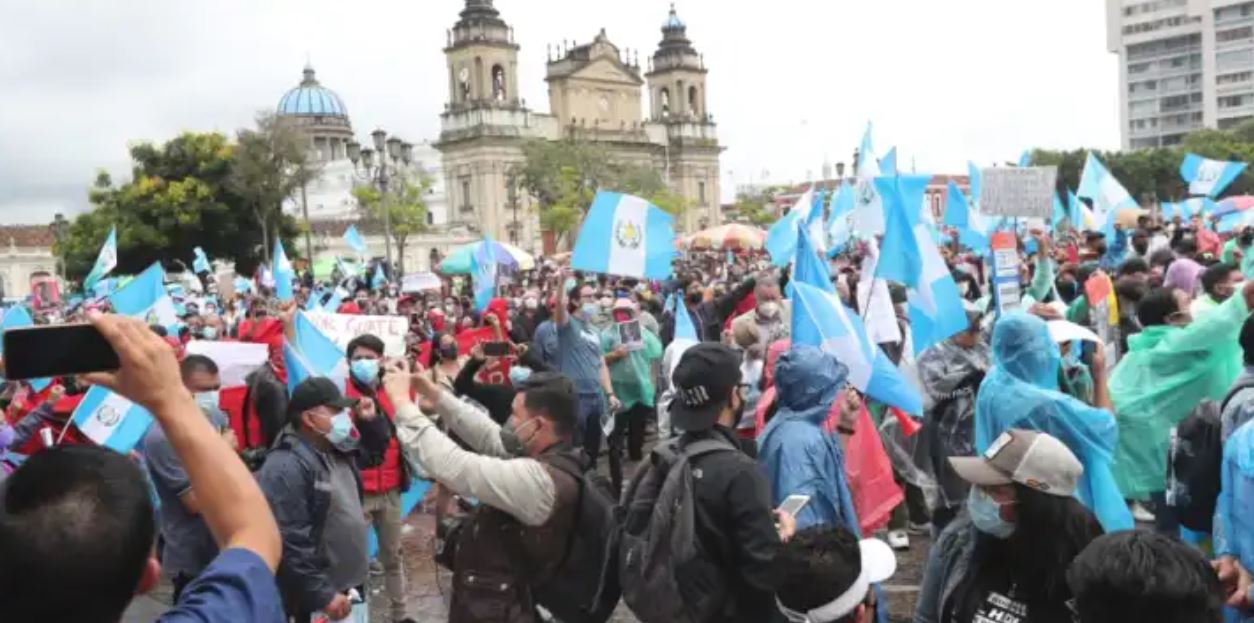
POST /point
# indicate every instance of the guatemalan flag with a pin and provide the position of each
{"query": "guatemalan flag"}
(781, 238)
(976, 182)
(627, 236)
(962, 215)
(888, 164)
(106, 261)
(483, 273)
(111, 420)
(1209, 177)
(1188, 208)
(909, 256)
(1107, 194)
(868, 212)
(354, 240)
(283, 273)
(310, 352)
(840, 219)
(200, 261)
(146, 298)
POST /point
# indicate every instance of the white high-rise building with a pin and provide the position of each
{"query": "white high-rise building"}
(1184, 65)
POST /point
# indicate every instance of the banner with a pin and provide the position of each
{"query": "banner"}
(235, 359)
(1006, 272)
(1010, 191)
(342, 328)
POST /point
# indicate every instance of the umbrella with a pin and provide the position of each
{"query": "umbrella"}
(730, 236)
(1235, 204)
(461, 260)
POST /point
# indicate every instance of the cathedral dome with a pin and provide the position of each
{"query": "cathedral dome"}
(311, 99)
(672, 21)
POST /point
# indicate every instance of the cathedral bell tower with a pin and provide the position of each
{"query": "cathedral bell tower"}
(482, 60)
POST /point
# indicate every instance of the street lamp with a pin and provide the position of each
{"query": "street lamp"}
(394, 155)
(60, 229)
(511, 196)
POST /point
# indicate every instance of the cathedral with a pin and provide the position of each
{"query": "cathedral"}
(595, 94)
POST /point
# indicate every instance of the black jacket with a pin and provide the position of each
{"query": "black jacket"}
(708, 316)
(497, 399)
(376, 434)
(266, 395)
(735, 527)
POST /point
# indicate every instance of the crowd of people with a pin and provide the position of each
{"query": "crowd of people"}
(1095, 479)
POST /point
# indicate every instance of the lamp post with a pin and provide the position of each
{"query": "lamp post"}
(511, 196)
(394, 155)
(60, 229)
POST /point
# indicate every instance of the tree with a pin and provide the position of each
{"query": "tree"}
(271, 163)
(755, 208)
(406, 207)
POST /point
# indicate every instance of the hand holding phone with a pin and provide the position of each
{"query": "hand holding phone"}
(793, 504)
(57, 350)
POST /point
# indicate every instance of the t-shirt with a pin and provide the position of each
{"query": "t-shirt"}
(579, 355)
(236, 587)
(997, 601)
(344, 536)
(189, 546)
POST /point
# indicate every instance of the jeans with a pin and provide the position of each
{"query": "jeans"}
(383, 511)
(589, 408)
(628, 425)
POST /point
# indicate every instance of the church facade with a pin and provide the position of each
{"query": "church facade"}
(596, 93)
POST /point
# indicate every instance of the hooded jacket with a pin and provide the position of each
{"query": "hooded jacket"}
(1021, 391)
(951, 376)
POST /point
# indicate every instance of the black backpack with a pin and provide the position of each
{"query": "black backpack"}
(583, 588)
(659, 543)
(1194, 458)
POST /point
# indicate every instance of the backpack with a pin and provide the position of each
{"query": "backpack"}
(659, 543)
(583, 588)
(1194, 457)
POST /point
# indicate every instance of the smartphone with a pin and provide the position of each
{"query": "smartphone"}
(793, 504)
(57, 350)
(495, 349)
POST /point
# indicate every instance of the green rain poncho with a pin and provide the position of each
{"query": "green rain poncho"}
(1165, 374)
(632, 376)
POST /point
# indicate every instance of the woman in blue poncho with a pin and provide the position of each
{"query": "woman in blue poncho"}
(1021, 391)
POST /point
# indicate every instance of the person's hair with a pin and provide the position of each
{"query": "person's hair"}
(1187, 246)
(366, 341)
(1130, 290)
(1215, 275)
(1157, 306)
(814, 563)
(1162, 258)
(1246, 339)
(196, 363)
(1133, 266)
(76, 530)
(1138, 575)
(552, 395)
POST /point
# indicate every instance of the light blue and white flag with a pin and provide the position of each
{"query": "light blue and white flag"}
(106, 261)
(200, 263)
(282, 272)
(1107, 194)
(868, 213)
(820, 319)
(684, 327)
(781, 238)
(347, 269)
(1059, 215)
(1188, 208)
(809, 265)
(333, 303)
(355, 241)
(814, 221)
(975, 181)
(840, 218)
(1209, 177)
(379, 280)
(146, 298)
(960, 213)
(627, 236)
(909, 256)
(111, 420)
(243, 285)
(888, 164)
(1025, 159)
(483, 272)
(15, 317)
(310, 352)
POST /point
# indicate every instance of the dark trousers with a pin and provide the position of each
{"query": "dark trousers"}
(629, 426)
(590, 407)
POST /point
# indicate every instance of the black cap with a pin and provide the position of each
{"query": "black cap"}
(317, 391)
(704, 379)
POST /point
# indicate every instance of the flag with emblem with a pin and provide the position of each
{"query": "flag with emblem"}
(200, 263)
(106, 261)
(111, 420)
(627, 236)
(146, 298)
(868, 213)
(1209, 177)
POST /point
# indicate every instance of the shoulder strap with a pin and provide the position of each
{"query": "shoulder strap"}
(1232, 393)
(707, 446)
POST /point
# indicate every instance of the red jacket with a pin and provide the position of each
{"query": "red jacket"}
(390, 474)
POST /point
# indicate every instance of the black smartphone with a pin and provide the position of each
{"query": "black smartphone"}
(495, 349)
(56, 350)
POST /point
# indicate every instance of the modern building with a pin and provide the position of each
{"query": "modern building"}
(596, 94)
(1184, 65)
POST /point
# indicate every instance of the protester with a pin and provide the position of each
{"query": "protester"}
(630, 360)
(579, 358)
(1237, 406)
(384, 475)
(76, 522)
(771, 314)
(1135, 576)
(708, 316)
(826, 573)
(314, 487)
(1218, 282)
(1007, 557)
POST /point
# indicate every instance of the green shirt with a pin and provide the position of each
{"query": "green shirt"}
(632, 376)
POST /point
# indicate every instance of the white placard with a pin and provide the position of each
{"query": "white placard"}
(419, 282)
(1018, 191)
(342, 328)
(235, 359)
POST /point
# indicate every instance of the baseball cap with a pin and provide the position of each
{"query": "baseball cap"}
(704, 379)
(872, 562)
(317, 391)
(1030, 458)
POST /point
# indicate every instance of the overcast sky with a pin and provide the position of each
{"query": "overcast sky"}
(791, 82)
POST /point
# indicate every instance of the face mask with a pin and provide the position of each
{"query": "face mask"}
(365, 370)
(768, 310)
(986, 515)
(590, 310)
(519, 375)
(341, 429)
(448, 352)
(210, 333)
(694, 298)
(206, 400)
(529, 303)
(606, 302)
(512, 440)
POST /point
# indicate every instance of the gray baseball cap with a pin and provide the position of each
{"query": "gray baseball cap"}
(1027, 457)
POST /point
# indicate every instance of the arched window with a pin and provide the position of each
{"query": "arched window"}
(498, 83)
(479, 83)
(693, 102)
(664, 102)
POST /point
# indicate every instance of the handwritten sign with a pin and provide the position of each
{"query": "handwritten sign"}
(1006, 272)
(1018, 191)
(342, 328)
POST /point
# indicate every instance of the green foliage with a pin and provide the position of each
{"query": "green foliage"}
(406, 206)
(755, 208)
(271, 163)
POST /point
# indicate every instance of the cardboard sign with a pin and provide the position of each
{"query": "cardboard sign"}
(342, 328)
(629, 335)
(1018, 191)
(1006, 290)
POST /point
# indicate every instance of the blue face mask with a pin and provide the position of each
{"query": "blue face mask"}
(210, 333)
(590, 310)
(986, 515)
(341, 429)
(365, 370)
(518, 375)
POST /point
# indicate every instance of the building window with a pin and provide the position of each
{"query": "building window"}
(1235, 34)
(1236, 78)
(701, 193)
(1233, 59)
(498, 83)
(664, 101)
(693, 101)
(466, 204)
(1235, 101)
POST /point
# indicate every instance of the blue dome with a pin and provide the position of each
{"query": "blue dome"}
(673, 22)
(311, 98)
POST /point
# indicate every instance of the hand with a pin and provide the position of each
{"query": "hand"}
(476, 352)
(366, 409)
(492, 320)
(149, 375)
(1045, 312)
(56, 393)
(850, 409)
(619, 353)
(1227, 570)
(397, 381)
(615, 404)
(1098, 366)
(785, 525)
(1241, 599)
(288, 313)
(339, 608)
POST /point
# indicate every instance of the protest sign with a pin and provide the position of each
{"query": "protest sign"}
(418, 282)
(235, 359)
(629, 335)
(342, 328)
(1012, 191)
(1104, 314)
(1006, 272)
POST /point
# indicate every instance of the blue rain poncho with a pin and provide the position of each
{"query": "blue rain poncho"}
(800, 457)
(1234, 510)
(1021, 391)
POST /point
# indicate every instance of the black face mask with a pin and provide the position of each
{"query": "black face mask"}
(1245, 240)
(1068, 290)
(694, 298)
(448, 352)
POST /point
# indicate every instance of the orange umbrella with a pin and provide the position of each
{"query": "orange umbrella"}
(731, 236)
